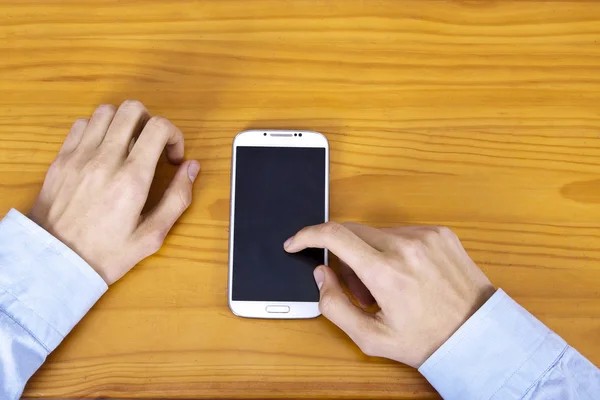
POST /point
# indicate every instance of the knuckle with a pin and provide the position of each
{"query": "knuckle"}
(94, 165)
(396, 278)
(398, 243)
(93, 171)
(445, 232)
(56, 168)
(132, 104)
(135, 172)
(374, 274)
(367, 344)
(389, 279)
(412, 248)
(437, 233)
(162, 124)
(155, 241)
(431, 234)
(133, 181)
(330, 228)
(393, 231)
(389, 262)
(81, 121)
(185, 197)
(59, 163)
(105, 109)
(326, 303)
(72, 161)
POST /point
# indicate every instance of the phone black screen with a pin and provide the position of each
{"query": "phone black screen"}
(278, 191)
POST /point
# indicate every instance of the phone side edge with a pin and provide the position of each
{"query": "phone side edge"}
(231, 224)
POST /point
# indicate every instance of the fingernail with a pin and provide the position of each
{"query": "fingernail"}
(193, 170)
(319, 277)
(287, 242)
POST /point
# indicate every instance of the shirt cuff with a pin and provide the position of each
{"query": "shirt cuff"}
(44, 286)
(500, 352)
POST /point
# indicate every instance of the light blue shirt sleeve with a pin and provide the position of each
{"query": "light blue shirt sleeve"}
(501, 352)
(504, 352)
(45, 289)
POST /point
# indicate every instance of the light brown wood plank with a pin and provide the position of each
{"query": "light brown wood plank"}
(480, 115)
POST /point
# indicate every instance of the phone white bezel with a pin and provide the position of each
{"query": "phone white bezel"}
(273, 138)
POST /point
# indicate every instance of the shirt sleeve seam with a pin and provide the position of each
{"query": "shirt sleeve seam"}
(49, 244)
(471, 328)
(33, 311)
(54, 244)
(521, 365)
(25, 329)
(556, 360)
(24, 226)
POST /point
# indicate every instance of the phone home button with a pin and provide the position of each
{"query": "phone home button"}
(278, 309)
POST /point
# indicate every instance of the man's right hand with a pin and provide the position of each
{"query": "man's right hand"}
(95, 190)
(421, 277)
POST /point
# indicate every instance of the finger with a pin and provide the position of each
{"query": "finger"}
(97, 127)
(74, 136)
(342, 242)
(158, 133)
(362, 327)
(128, 122)
(425, 233)
(175, 201)
(408, 229)
(356, 287)
(414, 230)
(374, 237)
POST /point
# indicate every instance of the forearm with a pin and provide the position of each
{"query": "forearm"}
(504, 352)
(45, 289)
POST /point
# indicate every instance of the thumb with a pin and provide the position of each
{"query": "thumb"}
(362, 327)
(176, 199)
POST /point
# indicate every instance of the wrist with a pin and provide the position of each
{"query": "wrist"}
(499, 352)
(457, 319)
(64, 239)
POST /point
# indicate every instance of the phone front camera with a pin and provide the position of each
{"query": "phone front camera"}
(300, 134)
(265, 134)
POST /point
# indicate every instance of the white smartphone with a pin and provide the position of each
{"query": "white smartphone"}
(279, 184)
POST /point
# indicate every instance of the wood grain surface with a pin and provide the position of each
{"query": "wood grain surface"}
(480, 115)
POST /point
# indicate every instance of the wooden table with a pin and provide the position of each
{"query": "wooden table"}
(480, 115)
